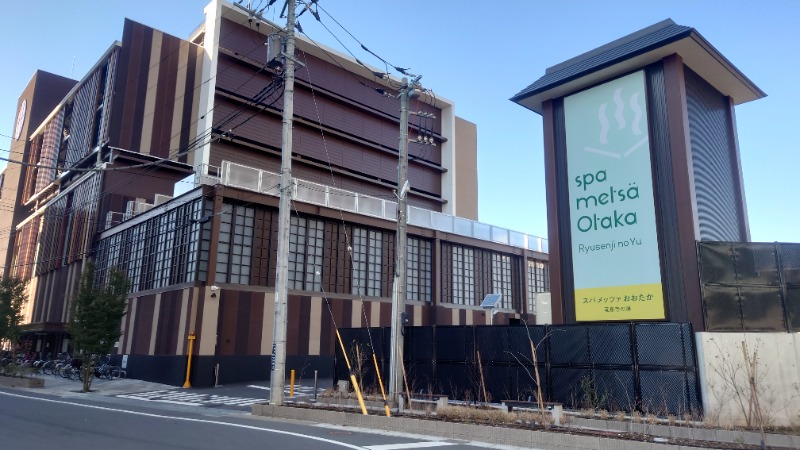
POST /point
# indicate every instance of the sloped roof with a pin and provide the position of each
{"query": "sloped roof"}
(634, 51)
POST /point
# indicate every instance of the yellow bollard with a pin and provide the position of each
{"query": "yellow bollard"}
(291, 383)
(191, 338)
(380, 382)
(352, 375)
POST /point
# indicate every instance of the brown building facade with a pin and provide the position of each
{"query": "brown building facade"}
(205, 114)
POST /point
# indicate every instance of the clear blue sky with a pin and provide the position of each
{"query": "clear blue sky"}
(478, 54)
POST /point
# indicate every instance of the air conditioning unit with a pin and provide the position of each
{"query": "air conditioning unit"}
(160, 199)
(142, 207)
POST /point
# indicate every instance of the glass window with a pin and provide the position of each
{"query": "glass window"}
(306, 238)
(538, 281)
(418, 270)
(501, 279)
(463, 276)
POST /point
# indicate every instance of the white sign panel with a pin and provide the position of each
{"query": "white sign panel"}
(612, 215)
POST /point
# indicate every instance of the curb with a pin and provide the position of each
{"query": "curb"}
(457, 431)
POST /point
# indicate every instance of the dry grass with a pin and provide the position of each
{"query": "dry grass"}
(464, 414)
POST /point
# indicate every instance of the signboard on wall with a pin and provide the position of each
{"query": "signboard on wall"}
(615, 257)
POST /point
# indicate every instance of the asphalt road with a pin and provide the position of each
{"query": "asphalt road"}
(36, 421)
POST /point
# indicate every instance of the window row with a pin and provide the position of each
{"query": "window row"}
(469, 274)
(168, 249)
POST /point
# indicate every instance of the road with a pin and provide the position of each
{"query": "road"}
(35, 421)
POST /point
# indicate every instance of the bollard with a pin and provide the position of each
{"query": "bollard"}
(315, 385)
(216, 376)
(291, 384)
(191, 338)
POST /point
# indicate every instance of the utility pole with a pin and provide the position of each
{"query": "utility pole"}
(278, 376)
(408, 90)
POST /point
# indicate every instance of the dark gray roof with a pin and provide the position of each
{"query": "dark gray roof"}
(643, 41)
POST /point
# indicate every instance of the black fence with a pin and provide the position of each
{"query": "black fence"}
(750, 286)
(646, 367)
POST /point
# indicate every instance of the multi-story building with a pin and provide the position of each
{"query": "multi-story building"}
(204, 114)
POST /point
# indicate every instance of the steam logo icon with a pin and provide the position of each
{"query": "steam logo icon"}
(634, 128)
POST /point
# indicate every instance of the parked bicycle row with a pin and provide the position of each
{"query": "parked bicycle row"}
(62, 365)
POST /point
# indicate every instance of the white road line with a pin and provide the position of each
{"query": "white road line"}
(188, 419)
(425, 444)
(174, 402)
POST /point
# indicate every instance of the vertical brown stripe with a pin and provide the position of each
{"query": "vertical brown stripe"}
(150, 94)
(144, 324)
(346, 320)
(135, 85)
(242, 324)
(386, 314)
(228, 314)
(165, 95)
(189, 105)
(683, 180)
(302, 326)
(553, 234)
(293, 323)
(326, 333)
(256, 323)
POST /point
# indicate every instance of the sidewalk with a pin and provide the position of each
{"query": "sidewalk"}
(64, 387)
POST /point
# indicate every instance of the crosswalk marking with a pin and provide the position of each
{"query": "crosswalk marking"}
(193, 399)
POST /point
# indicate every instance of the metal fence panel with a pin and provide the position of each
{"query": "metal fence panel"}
(452, 380)
(661, 345)
(423, 344)
(610, 366)
(492, 343)
(610, 344)
(570, 385)
(716, 262)
(762, 309)
(454, 343)
(793, 307)
(665, 392)
(790, 262)
(721, 304)
(420, 376)
(568, 345)
(615, 389)
(746, 286)
(756, 264)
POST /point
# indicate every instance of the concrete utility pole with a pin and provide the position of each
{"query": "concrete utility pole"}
(407, 91)
(278, 376)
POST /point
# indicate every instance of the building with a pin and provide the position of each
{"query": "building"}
(205, 113)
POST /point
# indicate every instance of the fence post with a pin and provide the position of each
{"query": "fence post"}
(637, 385)
(779, 266)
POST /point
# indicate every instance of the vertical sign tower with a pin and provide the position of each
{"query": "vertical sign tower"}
(641, 162)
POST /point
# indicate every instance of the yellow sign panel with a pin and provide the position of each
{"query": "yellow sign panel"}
(634, 302)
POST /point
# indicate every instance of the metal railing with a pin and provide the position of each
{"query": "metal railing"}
(265, 182)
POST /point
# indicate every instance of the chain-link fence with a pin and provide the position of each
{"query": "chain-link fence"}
(620, 366)
(750, 286)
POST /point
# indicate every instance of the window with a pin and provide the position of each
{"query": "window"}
(418, 270)
(463, 276)
(306, 238)
(367, 262)
(538, 281)
(501, 279)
